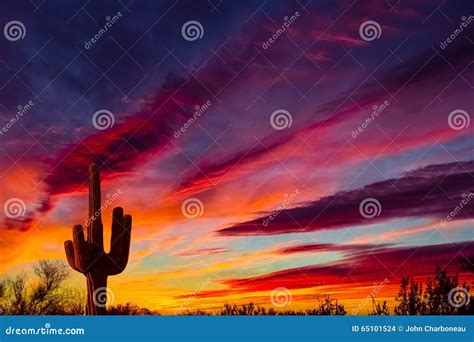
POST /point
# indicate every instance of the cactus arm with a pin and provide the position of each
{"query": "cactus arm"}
(117, 230)
(120, 242)
(127, 236)
(69, 248)
(82, 253)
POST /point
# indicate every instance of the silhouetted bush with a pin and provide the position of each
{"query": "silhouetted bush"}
(130, 309)
(328, 307)
(379, 309)
(434, 300)
(43, 295)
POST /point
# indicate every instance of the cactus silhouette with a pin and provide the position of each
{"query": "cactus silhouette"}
(88, 256)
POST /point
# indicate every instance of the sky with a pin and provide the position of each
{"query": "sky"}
(268, 152)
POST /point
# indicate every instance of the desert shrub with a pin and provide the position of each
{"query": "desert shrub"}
(379, 309)
(434, 300)
(328, 307)
(249, 309)
(130, 309)
(42, 295)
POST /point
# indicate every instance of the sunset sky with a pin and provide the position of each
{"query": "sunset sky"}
(278, 202)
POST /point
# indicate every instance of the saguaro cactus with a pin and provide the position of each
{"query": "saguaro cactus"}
(88, 256)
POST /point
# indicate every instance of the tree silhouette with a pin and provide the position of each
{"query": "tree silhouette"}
(41, 296)
(410, 297)
(379, 309)
(437, 292)
(439, 298)
(329, 307)
(130, 309)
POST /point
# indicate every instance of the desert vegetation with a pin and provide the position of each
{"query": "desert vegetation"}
(46, 292)
(42, 294)
(432, 299)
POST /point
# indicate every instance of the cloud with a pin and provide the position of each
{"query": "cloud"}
(361, 269)
(329, 247)
(125, 144)
(426, 70)
(204, 251)
(137, 136)
(213, 173)
(433, 191)
(21, 224)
